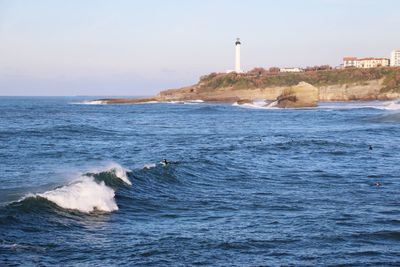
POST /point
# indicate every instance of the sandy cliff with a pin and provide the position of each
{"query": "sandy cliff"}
(370, 90)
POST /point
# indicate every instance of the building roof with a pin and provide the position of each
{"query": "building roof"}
(373, 58)
(349, 58)
(362, 59)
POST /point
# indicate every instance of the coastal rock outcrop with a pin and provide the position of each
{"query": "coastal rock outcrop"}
(299, 96)
(302, 89)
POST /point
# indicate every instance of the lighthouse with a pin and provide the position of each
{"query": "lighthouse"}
(237, 56)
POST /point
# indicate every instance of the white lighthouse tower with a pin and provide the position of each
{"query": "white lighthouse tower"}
(237, 56)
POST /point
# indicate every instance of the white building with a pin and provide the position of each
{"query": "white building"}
(395, 58)
(369, 62)
(349, 62)
(290, 70)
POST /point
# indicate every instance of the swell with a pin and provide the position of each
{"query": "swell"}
(88, 192)
(61, 130)
(95, 191)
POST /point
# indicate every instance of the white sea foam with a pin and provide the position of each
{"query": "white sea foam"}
(84, 194)
(383, 105)
(150, 102)
(195, 101)
(174, 102)
(391, 105)
(257, 104)
(91, 102)
(149, 166)
(119, 171)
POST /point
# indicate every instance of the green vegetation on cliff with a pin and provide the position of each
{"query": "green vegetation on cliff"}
(260, 78)
(392, 82)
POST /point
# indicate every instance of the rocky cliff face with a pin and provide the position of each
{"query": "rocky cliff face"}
(370, 90)
(364, 91)
(299, 96)
(291, 90)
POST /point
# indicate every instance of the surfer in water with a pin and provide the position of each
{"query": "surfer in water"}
(370, 147)
(164, 162)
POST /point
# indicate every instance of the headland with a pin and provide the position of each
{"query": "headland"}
(302, 89)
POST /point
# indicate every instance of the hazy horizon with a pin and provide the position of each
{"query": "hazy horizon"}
(100, 48)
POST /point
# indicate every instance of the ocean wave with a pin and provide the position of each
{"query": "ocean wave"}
(150, 102)
(258, 104)
(85, 195)
(386, 118)
(89, 192)
(149, 166)
(195, 101)
(381, 105)
(90, 102)
(391, 105)
(116, 169)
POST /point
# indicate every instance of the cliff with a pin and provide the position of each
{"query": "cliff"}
(330, 85)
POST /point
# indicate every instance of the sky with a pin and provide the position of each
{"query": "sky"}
(138, 48)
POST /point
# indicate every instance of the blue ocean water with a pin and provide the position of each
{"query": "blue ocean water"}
(83, 184)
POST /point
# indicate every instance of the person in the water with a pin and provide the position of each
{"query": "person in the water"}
(370, 147)
(164, 162)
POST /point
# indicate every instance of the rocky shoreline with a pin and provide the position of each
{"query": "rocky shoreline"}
(291, 90)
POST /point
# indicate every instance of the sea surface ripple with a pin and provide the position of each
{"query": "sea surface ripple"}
(83, 184)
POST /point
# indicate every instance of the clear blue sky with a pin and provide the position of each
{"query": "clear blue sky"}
(122, 47)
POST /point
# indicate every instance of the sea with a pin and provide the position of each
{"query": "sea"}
(85, 184)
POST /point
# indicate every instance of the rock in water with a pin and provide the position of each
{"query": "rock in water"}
(244, 101)
(300, 96)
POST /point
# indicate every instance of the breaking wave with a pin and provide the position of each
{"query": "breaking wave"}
(149, 166)
(85, 195)
(391, 105)
(115, 169)
(91, 102)
(258, 104)
(195, 101)
(381, 105)
(89, 192)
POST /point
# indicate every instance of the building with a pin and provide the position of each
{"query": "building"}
(372, 62)
(237, 56)
(349, 62)
(369, 62)
(290, 70)
(395, 58)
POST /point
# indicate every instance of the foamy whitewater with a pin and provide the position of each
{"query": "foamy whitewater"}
(149, 165)
(85, 193)
(197, 101)
(384, 105)
(91, 102)
(258, 104)
(119, 171)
